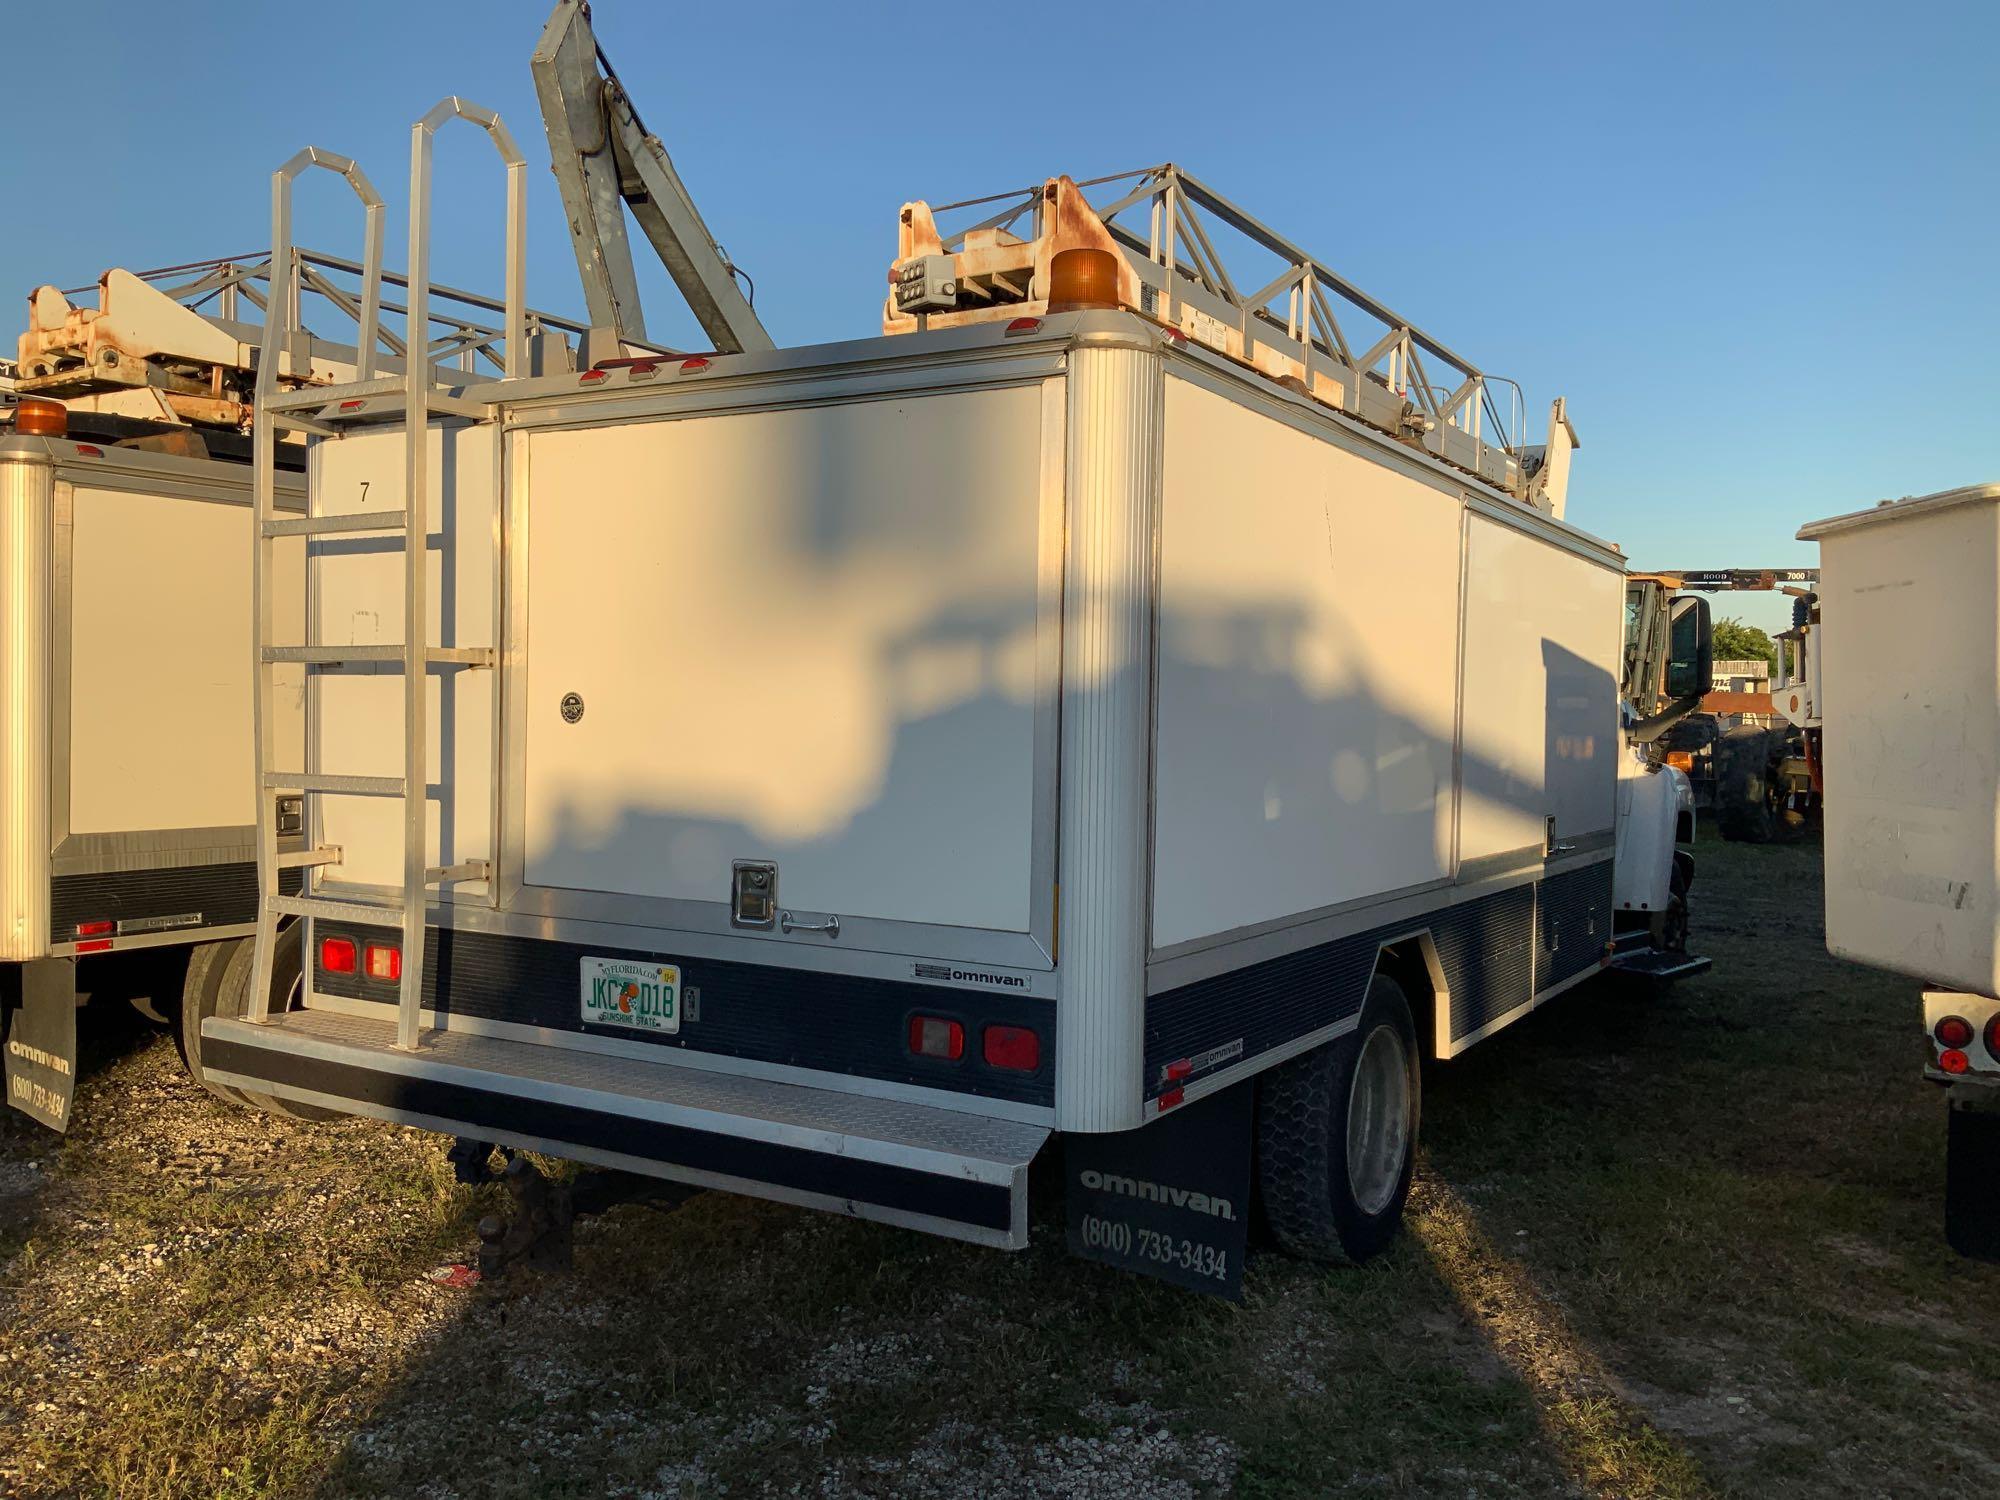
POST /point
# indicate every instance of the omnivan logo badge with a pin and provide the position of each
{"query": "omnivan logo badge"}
(1153, 1192)
(967, 976)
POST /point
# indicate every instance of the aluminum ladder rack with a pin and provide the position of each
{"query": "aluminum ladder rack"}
(420, 398)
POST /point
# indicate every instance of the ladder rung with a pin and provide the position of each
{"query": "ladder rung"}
(366, 912)
(360, 520)
(472, 869)
(328, 656)
(360, 786)
(299, 859)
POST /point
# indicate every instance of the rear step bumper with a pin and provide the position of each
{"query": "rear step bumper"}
(940, 1170)
(1657, 963)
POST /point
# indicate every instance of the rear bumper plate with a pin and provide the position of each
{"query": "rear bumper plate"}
(941, 1170)
(1655, 963)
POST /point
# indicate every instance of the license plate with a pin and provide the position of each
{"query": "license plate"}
(638, 995)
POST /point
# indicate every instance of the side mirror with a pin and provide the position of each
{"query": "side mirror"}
(1691, 649)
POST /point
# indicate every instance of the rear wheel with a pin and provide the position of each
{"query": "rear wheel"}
(1337, 1135)
(287, 993)
(200, 992)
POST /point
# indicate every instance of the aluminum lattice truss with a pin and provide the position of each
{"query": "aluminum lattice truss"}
(458, 336)
(1163, 217)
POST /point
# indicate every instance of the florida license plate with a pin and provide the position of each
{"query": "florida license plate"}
(637, 994)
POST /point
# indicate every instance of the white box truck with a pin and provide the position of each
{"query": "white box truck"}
(1911, 748)
(127, 764)
(830, 772)
(126, 801)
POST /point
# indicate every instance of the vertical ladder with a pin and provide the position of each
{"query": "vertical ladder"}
(421, 400)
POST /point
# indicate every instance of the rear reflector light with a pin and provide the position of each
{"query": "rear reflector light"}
(1951, 1059)
(1171, 1098)
(934, 1036)
(95, 929)
(336, 955)
(1953, 1031)
(95, 945)
(1015, 1048)
(384, 962)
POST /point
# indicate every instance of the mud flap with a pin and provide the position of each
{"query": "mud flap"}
(1170, 1199)
(41, 1042)
(1972, 1172)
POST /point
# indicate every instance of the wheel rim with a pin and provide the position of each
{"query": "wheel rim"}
(1378, 1119)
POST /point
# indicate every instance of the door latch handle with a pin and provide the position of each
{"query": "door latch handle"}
(787, 923)
(1562, 849)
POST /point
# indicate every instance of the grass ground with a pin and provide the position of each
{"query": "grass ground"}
(1680, 1244)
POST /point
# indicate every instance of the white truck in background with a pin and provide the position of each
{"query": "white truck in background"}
(1911, 750)
(127, 827)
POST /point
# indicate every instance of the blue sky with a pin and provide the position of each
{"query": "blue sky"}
(1755, 245)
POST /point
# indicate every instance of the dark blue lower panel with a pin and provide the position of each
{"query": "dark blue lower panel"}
(224, 895)
(1487, 947)
(1575, 922)
(839, 1023)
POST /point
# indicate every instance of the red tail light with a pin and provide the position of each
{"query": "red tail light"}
(934, 1036)
(1953, 1031)
(1014, 1048)
(384, 961)
(336, 955)
(1953, 1061)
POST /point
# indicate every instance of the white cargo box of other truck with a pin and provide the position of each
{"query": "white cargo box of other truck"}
(1912, 737)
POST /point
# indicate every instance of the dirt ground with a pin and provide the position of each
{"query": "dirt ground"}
(1683, 1243)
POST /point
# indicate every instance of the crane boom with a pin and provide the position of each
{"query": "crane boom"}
(605, 159)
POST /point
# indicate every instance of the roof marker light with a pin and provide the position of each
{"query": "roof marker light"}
(1023, 325)
(591, 377)
(694, 364)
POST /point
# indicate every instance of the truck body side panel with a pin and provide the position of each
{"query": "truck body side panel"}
(1308, 666)
(1541, 695)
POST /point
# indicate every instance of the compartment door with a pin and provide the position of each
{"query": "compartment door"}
(809, 636)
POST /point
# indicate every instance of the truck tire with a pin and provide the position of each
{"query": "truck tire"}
(1743, 803)
(287, 974)
(200, 991)
(1337, 1136)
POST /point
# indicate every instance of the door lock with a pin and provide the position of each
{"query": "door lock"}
(753, 893)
